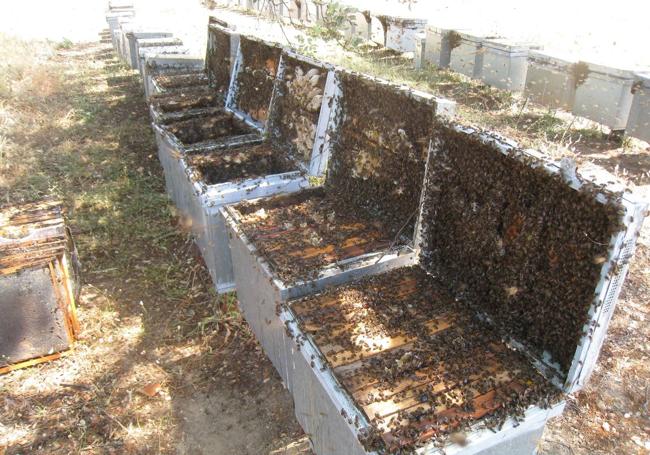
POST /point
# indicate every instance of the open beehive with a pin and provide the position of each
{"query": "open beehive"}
(156, 64)
(367, 210)
(521, 263)
(299, 112)
(37, 285)
(186, 101)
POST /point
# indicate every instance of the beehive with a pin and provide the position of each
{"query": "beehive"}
(300, 107)
(638, 124)
(37, 285)
(158, 64)
(459, 354)
(286, 246)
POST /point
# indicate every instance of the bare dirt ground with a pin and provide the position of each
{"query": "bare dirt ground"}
(164, 365)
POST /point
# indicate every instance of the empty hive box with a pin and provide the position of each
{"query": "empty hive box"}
(364, 217)
(638, 124)
(471, 350)
(292, 153)
(37, 285)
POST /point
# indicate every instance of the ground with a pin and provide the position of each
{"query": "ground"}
(163, 364)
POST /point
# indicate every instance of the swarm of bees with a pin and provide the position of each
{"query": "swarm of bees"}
(379, 151)
(516, 242)
(298, 103)
(444, 370)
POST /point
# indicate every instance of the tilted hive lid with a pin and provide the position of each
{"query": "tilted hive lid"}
(220, 53)
(300, 108)
(378, 147)
(251, 87)
(535, 247)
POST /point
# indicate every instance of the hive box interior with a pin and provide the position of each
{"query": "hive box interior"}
(369, 202)
(300, 107)
(506, 304)
(36, 283)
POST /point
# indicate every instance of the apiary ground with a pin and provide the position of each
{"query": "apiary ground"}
(81, 107)
(301, 233)
(418, 363)
(236, 164)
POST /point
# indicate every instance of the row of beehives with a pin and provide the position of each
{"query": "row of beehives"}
(268, 120)
(617, 98)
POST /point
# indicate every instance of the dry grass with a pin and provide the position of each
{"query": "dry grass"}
(154, 334)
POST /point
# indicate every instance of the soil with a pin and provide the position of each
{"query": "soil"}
(207, 128)
(236, 164)
(301, 233)
(419, 363)
(255, 80)
(218, 59)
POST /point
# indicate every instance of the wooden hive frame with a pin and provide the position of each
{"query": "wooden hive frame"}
(34, 241)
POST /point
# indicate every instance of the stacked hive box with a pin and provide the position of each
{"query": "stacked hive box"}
(37, 285)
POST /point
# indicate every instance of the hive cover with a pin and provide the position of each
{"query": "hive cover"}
(537, 249)
(378, 148)
(296, 115)
(218, 57)
(251, 87)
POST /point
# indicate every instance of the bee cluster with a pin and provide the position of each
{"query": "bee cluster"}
(256, 77)
(206, 128)
(516, 242)
(218, 59)
(378, 152)
(235, 164)
(300, 233)
(420, 364)
(299, 95)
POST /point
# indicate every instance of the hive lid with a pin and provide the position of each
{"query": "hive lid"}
(553, 57)
(622, 73)
(508, 45)
(219, 56)
(377, 148)
(643, 79)
(536, 247)
(251, 86)
(302, 101)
